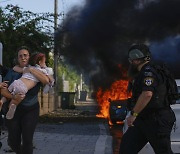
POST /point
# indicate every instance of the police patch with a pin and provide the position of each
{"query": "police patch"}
(148, 81)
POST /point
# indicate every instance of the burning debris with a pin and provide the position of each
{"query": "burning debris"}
(117, 91)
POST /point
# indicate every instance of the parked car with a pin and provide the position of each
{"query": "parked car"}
(117, 110)
(178, 84)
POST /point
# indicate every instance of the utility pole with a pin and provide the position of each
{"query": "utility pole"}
(55, 53)
(55, 42)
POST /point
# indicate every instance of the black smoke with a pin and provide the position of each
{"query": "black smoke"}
(95, 38)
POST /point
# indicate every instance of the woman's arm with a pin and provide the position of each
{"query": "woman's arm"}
(50, 73)
(5, 92)
(39, 75)
(51, 78)
(4, 84)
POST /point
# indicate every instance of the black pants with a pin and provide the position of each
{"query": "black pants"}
(22, 126)
(155, 130)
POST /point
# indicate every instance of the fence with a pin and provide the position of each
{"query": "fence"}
(46, 102)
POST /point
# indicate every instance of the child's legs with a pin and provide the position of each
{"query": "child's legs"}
(14, 102)
(12, 109)
(17, 87)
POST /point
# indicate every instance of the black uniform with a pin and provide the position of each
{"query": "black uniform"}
(154, 123)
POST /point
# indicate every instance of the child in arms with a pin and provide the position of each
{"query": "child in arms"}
(27, 81)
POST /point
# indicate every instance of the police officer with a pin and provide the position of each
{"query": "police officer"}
(150, 120)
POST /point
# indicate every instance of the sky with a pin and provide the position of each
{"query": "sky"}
(43, 6)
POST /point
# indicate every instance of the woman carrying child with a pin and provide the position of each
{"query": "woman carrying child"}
(28, 80)
(22, 126)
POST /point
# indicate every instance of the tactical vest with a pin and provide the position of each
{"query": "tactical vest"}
(158, 99)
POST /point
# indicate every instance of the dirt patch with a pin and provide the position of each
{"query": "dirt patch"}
(68, 115)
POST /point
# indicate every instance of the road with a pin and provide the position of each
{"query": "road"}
(69, 131)
(70, 137)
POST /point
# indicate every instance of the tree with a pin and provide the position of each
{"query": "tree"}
(24, 28)
(34, 30)
(69, 74)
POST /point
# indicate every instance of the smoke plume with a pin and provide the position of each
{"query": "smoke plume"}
(95, 38)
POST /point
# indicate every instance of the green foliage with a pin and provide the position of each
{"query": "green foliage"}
(24, 28)
(69, 74)
(34, 30)
(51, 59)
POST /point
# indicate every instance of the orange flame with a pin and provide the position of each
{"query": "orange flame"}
(117, 91)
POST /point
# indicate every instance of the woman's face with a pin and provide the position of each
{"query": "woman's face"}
(23, 57)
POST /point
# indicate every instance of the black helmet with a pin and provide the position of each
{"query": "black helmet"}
(139, 51)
